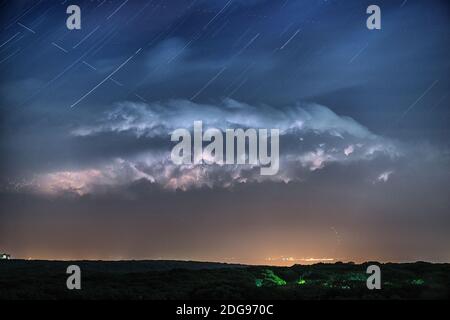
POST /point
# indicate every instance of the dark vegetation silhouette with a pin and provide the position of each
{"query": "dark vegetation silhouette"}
(20, 279)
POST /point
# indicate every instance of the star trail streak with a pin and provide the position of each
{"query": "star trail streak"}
(105, 79)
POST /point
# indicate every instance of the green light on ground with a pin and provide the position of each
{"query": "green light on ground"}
(259, 283)
(357, 277)
(271, 277)
(301, 281)
(418, 282)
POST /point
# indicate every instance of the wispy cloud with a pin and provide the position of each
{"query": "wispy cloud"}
(384, 177)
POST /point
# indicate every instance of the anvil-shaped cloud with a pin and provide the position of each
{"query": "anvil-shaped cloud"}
(161, 118)
(311, 136)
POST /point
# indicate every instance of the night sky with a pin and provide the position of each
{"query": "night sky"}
(86, 117)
